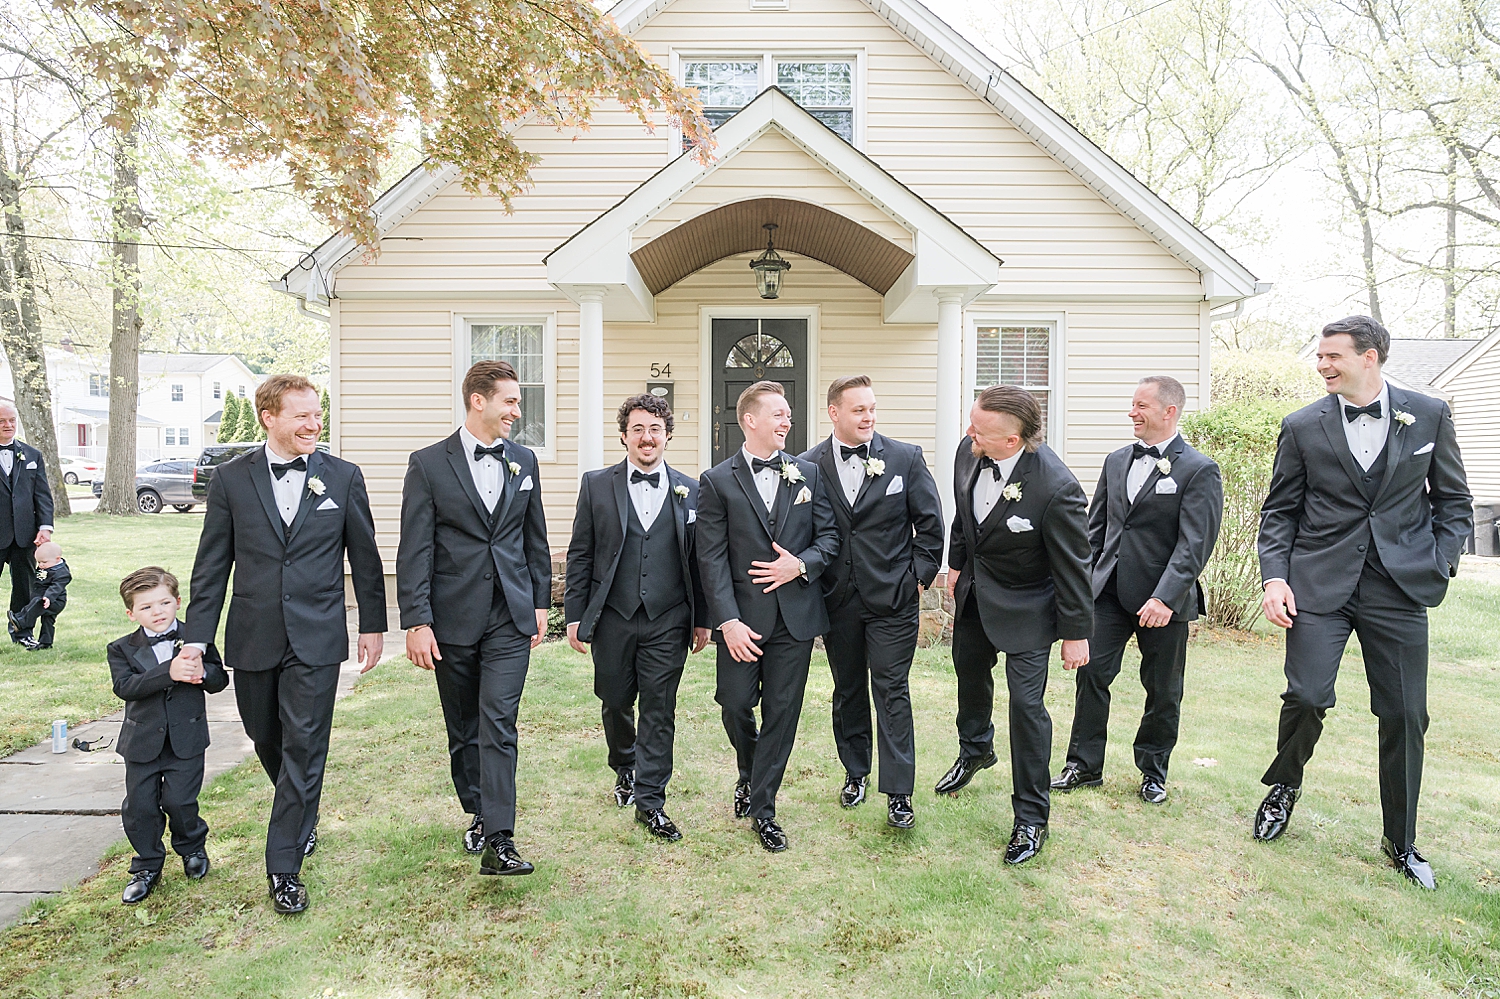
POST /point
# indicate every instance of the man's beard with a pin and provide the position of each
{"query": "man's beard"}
(975, 449)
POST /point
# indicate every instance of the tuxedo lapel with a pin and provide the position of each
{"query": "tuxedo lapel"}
(1154, 475)
(1395, 439)
(1117, 470)
(622, 497)
(678, 506)
(1332, 414)
(876, 450)
(746, 479)
(510, 483)
(143, 651)
(1018, 476)
(309, 498)
(460, 465)
(783, 505)
(965, 504)
(829, 463)
(260, 478)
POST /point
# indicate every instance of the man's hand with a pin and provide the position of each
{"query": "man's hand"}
(1075, 653)
(953, 575)
(422, 646)
(700, 639)
(47, 603)
(185, 669)
(42, 537)
(786, 568)
(1155, 614)
(371, 644)
(190, 655)
(541, 627)
(741, 641)
(573, 639)
(1278, 604)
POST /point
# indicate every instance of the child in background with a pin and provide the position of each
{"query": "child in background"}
(49, 597)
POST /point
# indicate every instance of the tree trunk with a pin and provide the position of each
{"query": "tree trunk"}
(125, 336)
(1450, 259)
(21, 331)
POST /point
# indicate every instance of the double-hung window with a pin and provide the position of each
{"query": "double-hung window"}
(176, 393)
(822, 88)
(99, 386)
(825, 87)
(1016, 353)
(525, 345)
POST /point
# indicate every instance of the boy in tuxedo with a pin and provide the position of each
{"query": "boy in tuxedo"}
(49, 597)
(165, 731)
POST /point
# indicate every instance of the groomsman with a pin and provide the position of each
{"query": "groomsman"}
(1361, 530)
(1018, 560)
(474, 579)
(283, 517)
(766, 533)
(633, 591)
(890, 524)
(26, 520)
(1152, 527)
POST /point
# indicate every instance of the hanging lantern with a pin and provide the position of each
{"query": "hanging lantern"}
(769, 267)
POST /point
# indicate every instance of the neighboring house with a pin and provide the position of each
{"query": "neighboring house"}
(901, 167)
(180, 399)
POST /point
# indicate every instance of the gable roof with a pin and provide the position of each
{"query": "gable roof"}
(1419, 362)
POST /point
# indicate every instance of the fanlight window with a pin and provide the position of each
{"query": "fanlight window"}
(759, 350)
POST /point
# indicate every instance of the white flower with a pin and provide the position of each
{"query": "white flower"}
(874, 466)
(315, 485)
(681, 491)
(791, 472)
(1164, 466)
(515, 467)
(1011, 492)
(1405, 419)
(1205, 761)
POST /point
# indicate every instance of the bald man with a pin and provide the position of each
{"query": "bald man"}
(26, 517)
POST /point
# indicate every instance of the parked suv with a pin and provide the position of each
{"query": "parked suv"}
(212, 457)
(159, 484)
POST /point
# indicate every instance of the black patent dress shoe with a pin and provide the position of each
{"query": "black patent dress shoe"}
(854, 790)
(1153, 791)
(195, 865)
(288, 894)
(474, 836)
(1411, 864)
(1072, 778)
(141, 883)
(625, 788)
(500, 857)
(1275, 811)
(898, 811)
(658, 825)
(311, 844)
(771, 835)
(963, 771)
(742, 799)
(1025, 843)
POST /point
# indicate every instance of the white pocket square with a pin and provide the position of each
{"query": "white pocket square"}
(1424, 449)
(805, 496)
(1165, 487)
(692, 516)
(328, 504)
(1018, 524)
(895, 487)
(525, 484)
(31, 464)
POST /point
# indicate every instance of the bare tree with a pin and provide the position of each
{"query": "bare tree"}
(125, 329)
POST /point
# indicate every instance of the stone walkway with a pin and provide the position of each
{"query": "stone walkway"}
(60, 812)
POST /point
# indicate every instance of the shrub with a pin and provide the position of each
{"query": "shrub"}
(229, 420)
(1265, 376)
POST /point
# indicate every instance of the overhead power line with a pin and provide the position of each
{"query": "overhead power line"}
(161, 246)
(1114, 24)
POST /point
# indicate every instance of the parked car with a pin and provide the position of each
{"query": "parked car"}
(159, 484)
(212, 457)
(75, 470)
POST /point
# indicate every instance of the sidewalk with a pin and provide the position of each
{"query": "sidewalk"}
(59, 813)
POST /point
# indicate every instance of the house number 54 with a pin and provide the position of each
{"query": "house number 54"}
(659, 370)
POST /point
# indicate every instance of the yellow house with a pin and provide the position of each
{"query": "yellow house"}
(946, 231)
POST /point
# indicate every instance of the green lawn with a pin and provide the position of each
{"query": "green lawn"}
(1126, 899)
(70, 680)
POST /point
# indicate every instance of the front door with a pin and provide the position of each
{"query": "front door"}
(746, 351)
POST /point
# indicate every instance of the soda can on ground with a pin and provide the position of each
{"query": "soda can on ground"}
(60, 735)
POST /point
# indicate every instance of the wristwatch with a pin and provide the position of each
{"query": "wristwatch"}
(801, 568)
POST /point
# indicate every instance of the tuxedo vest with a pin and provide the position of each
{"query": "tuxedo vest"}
(1370, 480)
(8, 514)
(649, 573)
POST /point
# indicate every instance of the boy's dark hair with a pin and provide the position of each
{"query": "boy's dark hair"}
(646, 403)
(145, 579)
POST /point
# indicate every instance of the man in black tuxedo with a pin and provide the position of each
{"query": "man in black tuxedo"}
(474, 578)
(633, 591)
(1361, 530)
(27, 519)
(1152, 527)
(890, 523)
(765, 534)
(1018, 560)
(283, 517)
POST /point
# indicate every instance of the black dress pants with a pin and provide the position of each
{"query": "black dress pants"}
(287, 712)
(869, 652)
(1392, 631)
(44, 619)
(777, 681)
(20, 558)
(480, 688)
(157, 793)
(974, 658)
(1163, 664)
(638, 656)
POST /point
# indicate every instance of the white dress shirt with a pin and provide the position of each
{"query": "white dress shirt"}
(987, 488)
(765, 479)
(646, 498)
(288, 488)
(164, 650)
(851, 469)
(1140, 468)
(488, 475)
(1366, 435)
(7, 459)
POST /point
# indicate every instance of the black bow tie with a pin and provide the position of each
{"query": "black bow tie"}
(863, 450)
(166, 636)
(497, 452)
(1352, 413)
(1139, 451)
(278, 469)
(988, 462)
(761, 464)
(639, 476)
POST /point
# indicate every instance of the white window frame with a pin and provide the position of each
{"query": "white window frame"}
(767, 78)
(171, 437)
(1057, 426)
(184, 437)
(813, 392)
(218, 391)
(177, 392)
(463, 346)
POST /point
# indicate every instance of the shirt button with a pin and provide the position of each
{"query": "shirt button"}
(486, 575)
(286, 596)
(287, 562)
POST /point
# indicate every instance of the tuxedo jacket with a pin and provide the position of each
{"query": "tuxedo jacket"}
(599, 527)
(1157, 544)
(27, 495)
(52, 584)
(891, 539)
(1320, 515)
(1028, 564)
(157, 706)
(287, 592)
(734, 530)
(453, 551)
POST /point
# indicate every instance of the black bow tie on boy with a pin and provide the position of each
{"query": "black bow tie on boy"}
(166, 636)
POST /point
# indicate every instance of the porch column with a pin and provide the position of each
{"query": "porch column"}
(950, 409)
(590, 379)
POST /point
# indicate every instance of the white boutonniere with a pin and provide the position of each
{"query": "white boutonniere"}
(315, 485)
(1405, 419)
(874, 467)
(791, 473)
(1164, 466)
(41, 574)
(515, 467)
(1011, 492)
(681, 491)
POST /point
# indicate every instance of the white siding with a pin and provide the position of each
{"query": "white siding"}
(1476, 418)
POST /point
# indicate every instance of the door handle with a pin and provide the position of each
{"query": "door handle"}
(717, 425)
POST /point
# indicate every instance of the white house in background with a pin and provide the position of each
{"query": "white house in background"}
(180, 400)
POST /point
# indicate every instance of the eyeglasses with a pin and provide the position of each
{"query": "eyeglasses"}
(647, 433)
